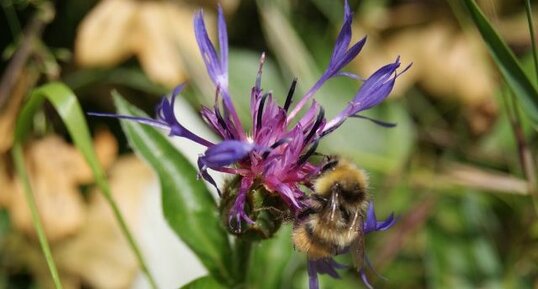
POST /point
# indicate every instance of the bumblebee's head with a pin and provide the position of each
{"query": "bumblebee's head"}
(351, 191)
(346, 180)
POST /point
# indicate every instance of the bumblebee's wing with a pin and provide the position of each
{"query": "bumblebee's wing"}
(357, 246)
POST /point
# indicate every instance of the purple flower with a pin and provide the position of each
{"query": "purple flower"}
(322, 266)
(275, 152)
(165, 119)
(372, 92)
(329, 266)
(373, 225)
(340, 57)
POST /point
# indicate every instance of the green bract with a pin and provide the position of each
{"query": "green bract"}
(187, 204)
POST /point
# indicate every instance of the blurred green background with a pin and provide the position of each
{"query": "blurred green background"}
(451, 170)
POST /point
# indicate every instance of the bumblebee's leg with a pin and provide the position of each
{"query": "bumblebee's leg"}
(353, 226)
(333, 204)
(330, 164)
(320, 200)
(357, 246)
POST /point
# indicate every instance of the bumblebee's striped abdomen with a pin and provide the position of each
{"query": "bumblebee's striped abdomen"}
(322, 237)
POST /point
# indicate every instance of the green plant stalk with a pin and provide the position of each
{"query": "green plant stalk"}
(12, 20)
(17, 154)
(242, 252)
(67, 106)
(525, 157)
(528, 10)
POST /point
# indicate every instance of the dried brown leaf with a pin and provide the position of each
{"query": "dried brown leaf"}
(99, 254)
(455, 65)
(106, 148)
(470, 176)
(159, 33)
(463, 175)
(103, 37)
(53, 167)
(6, 184)
(56, 171)
(448, 64)
(514, 28)
(229, 6)
(154, 45)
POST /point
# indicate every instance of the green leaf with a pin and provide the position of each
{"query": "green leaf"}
(507, 63)
(188, 206)
(270, 260)
(206, 282)
(68, 107)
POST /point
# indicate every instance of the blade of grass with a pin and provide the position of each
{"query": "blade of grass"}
(525, 156)
(67, 106)
(507, 63)
(12, 19)
(17, 154)
(528, 11)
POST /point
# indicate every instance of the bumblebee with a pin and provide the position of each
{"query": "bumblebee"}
(336, 210)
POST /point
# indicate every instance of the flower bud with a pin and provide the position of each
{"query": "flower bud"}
(266, 210)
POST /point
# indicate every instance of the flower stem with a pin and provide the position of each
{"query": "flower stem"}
(528, 11)
(12, 19)
(525, 157)
(30, 199)
(242, 258)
